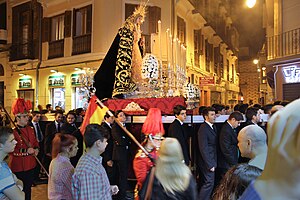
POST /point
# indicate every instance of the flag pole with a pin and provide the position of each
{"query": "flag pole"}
(124, 129)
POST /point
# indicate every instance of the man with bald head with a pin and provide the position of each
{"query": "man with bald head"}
(252, 142)
(281, 177)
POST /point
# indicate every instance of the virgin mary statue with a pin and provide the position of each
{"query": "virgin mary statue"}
(121, 67)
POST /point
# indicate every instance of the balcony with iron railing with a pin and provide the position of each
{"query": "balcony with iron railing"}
(284, 45)
(56, 49)
(21, 51)
(81, 44)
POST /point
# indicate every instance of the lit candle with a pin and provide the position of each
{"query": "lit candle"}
(160, 49)
(167, 41)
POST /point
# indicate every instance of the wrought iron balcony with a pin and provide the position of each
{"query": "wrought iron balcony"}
(283, 45)
(81, 44)
(21, 51)
(56, 49)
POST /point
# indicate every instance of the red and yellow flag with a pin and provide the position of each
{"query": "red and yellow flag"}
(94, 114)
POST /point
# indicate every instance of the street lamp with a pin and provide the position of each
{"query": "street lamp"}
(255, 61)
(250, 3)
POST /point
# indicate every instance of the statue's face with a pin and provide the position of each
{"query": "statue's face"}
(139, 20)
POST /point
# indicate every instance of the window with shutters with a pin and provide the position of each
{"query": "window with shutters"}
(221, 66)
(197, 46)
(82, 23)
(22, 46)
(216, 60)
(25, 32)
(228, 70)
(209, 52)
(232, 73)
(150, 24)
(181, 26)
(57, 28)
(56, 43)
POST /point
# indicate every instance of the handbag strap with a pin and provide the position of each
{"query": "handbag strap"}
(150, 184)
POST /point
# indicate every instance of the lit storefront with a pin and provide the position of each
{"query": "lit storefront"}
(25, 90)
(79, 94)
(287, 81)
(57, 90)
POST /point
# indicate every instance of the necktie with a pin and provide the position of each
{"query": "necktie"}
(214, 128)
(58, 127)
(39, 132)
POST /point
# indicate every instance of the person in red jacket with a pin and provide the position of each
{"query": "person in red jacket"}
(153, 130)
(22, 161)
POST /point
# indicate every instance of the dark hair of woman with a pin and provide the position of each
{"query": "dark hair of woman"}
(235, 181)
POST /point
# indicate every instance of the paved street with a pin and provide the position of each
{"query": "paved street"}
(39, 192)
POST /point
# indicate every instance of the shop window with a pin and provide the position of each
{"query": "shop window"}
(27, 95)
(58, 97)
(80, 98)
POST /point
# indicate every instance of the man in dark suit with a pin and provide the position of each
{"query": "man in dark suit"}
(207, 141)
(228, 153)
(252, 117)
(51, 129)
(107, 161)
(36, 116)
(178, 131)
(121, 153)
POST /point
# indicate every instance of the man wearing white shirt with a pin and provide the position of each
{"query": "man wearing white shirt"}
(228, 153)
(178, 130)
(207, 141)
(107, 161)
(36, 116)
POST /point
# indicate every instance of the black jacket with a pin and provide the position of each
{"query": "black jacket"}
(178, 131)
(207, 141)
(228, 154)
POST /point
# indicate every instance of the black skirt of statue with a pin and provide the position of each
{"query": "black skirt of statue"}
(113, 77)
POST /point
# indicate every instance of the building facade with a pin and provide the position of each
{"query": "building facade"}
(46, 45)
(283, 47)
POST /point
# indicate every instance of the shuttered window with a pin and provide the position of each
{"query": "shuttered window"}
(57, 27)
(181, 30)
(83, 21)
(197, 46)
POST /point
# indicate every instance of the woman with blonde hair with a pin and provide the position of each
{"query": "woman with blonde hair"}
(173, 179)
(64, 146)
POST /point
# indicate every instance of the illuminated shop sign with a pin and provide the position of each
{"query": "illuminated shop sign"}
(291, 74)
(57, 80)
(25, 83)
(75, 79)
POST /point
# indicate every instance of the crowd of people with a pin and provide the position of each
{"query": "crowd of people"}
(231, 155)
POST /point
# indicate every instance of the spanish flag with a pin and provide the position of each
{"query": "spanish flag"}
(94, 114)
